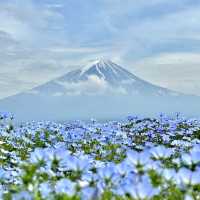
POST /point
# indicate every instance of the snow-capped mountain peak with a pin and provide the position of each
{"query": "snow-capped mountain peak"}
(100, 62)
(107, 70)
(102, 76)
(101, 87)
(98, 65)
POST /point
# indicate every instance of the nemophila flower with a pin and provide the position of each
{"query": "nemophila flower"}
(160, 130)
(5, 115)
(121, 134)
(188, 197)
(74, 163)
(181, 143)
(124, 168)
(166, 138)
(23, 195)
(129, 188)
(195, 148)
(177, 161)
(149, 145)
(196, 176)
(65, 186)
(154, 165)
(191, 158)
(102, 185)
(89, 193)
(83, 183)
(169, 174)
(186, 176)
(1, 192)
(173, 127)
(96, 172)
(45, 189)
(90, 177)
(136, 158)
(6, 174)
(187, 159)
(119, 190)
(60, 146)
(37, 155)
(2, 173)
(47, 169)
(57, 153)
(150, 133)
(14, 173)
(161, 152)
(107, 172)
(142, 189)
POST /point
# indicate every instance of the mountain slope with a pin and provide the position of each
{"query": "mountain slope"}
(102, 90)
(101, 76)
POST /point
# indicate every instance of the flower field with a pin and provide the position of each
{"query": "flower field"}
(137, 159)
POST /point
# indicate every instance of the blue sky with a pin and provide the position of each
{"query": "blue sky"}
(158, 40)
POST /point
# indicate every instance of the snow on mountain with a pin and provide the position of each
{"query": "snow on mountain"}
(100, 77)
(101, 89)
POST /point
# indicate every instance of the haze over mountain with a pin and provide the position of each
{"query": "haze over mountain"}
(101, 89)
(100, 77)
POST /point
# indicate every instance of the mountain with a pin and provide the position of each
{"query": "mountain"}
(102, 90)
(100, 76)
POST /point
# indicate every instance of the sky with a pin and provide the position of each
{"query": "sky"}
(157, 40)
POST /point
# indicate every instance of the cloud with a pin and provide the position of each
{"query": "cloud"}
(92, 86)
(54, 5)
(27, 21)
(178, 71)
(41, 40)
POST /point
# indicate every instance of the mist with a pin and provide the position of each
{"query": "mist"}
(26, 107)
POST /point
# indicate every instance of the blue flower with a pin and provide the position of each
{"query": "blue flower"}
(89, 193)
(169, 174)
(195, 177)
(192, 157)
(188, 197)
(2, 174)
(161, 152)
(70, 162)
(124, 168)
(107, 172)
(37, 155)
(45, 189)
(136, 158)
(184, 176)
(187, 159)
(24, 195)
(65, 186)
(142, 189)
(5, 115)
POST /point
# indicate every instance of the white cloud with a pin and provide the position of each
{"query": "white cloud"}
(40, 41)
(92, 86)
(177, 71)
(54, 5)
(58, 94)
(27, 21)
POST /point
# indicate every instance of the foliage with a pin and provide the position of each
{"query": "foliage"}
(137, 159)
